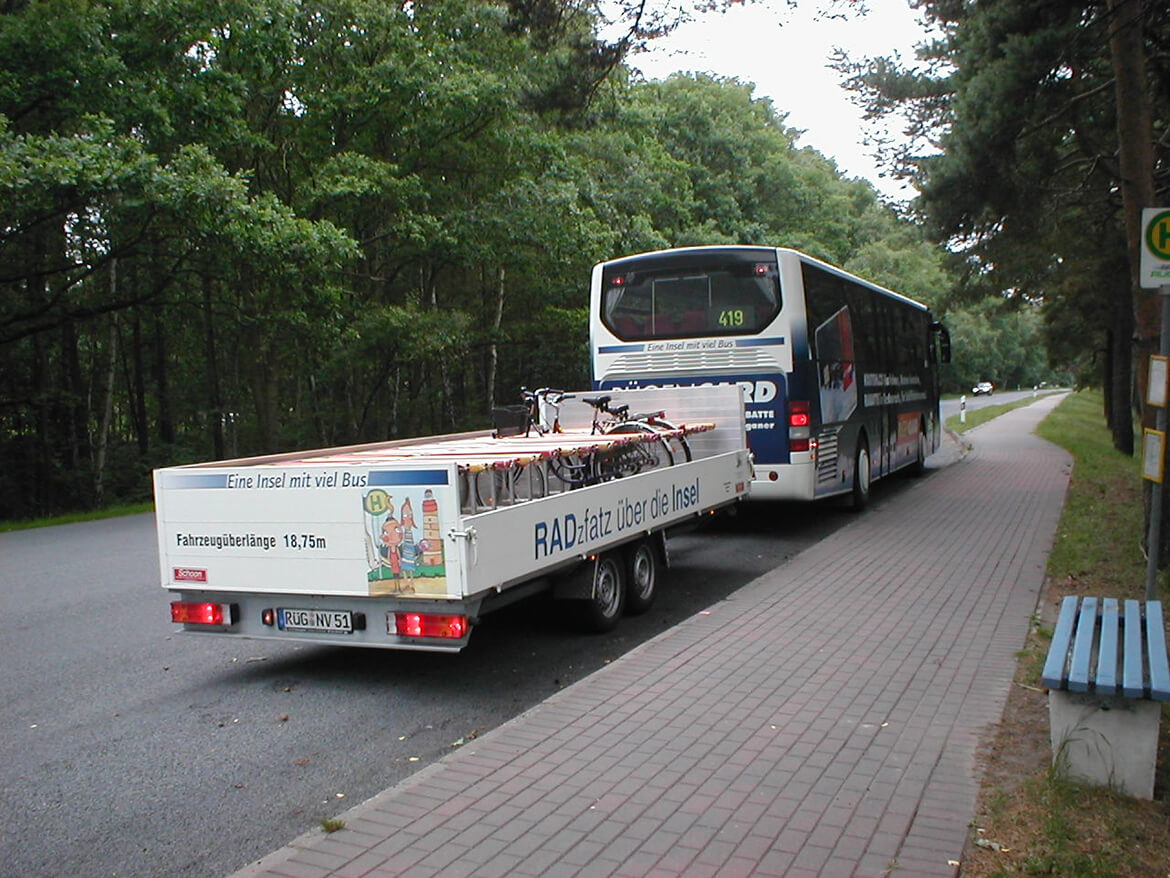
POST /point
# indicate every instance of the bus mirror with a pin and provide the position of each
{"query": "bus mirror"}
(944, 341)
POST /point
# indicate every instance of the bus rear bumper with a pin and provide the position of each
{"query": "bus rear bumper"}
(793, 481)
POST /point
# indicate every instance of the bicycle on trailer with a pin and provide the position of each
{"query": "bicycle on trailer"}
(539, 412)
(512, 482)
(654, 443)
(610, 419)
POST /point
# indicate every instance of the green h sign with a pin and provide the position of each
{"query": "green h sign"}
(1155, 247)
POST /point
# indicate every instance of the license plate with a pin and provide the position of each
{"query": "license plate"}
(315, 621)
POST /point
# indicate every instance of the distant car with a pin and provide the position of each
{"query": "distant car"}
(982, 387)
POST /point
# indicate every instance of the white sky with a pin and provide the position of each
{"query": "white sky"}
(785, 52)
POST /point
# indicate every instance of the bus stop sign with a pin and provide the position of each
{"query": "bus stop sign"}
(1155, 247)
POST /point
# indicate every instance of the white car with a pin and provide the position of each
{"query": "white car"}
(982, 387)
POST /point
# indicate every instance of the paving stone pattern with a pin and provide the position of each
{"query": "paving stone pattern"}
(822, 721)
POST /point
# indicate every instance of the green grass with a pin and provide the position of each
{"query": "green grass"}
(1098, 544)
(91, 515)
(1059, 827)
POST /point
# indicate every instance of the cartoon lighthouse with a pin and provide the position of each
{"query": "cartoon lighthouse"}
(432, 547)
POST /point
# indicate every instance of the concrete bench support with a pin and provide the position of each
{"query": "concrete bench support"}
(1107, 673)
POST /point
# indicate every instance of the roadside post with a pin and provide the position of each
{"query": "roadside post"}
(963, 409)
(1155, 274)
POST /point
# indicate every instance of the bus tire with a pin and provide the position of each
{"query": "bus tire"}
(642, 566)
(601, 612)
(918, 467)
(859, 496)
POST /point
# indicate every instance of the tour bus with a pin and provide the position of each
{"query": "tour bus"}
(839, 375)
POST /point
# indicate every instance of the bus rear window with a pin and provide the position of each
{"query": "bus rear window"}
(734, 297)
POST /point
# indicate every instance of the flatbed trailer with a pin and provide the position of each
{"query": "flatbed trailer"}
(406, 544)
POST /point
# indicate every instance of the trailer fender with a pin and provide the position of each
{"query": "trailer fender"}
(576, 584)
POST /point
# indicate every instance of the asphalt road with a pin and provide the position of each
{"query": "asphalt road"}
(132, 750)
(949, 407)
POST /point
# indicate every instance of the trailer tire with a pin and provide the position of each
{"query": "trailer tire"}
(642, 566)
(601, 612)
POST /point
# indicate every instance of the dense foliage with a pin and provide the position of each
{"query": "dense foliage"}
(1040, 131)
(230, 227)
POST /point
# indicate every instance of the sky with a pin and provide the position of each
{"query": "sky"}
(785, 52)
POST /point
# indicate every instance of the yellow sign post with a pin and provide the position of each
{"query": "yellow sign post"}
(1155, 274)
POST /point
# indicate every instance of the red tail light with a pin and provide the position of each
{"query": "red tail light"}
(193, 613)
(430, 625)
(798, 424)
(798, 413)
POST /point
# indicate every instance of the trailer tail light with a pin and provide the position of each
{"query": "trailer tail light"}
(201, 613)
(430, 625)
(798, 424)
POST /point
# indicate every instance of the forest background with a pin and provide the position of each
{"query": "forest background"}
(230, 227)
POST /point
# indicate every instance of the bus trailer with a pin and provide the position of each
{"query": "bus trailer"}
(406, 544)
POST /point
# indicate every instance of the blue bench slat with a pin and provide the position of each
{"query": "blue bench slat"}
(1082, 653)
(1106, 679)
(1053, 675)
(1159, 667)
(1132, 683)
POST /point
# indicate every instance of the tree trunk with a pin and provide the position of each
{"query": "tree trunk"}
(493, 348)
(1136, 160)
(1120, 358)
(216, 415)
(162, 382)
(103, 437)
(135, 369)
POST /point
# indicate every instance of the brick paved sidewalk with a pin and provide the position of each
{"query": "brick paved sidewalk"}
(823, 720)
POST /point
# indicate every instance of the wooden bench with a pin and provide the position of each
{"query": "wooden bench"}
(1106, 673)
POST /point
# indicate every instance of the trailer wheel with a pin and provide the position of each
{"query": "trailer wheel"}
(641, 576)
(602, 611)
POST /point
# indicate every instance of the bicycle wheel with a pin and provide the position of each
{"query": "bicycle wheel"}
(571, 471)
(491, 489)
(648, 453)
(529, 481)
(677, 441)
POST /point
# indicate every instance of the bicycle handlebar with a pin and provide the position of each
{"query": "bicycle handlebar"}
(552, 394)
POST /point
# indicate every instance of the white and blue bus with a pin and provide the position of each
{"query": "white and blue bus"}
(840, 376)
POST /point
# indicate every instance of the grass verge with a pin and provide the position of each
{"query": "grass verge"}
(1030, 821)
(92, 515)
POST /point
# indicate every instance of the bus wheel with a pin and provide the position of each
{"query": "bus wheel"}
(602, 611)
(861, 475)
(641, 576)
(919, 466)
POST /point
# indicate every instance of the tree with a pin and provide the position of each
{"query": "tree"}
(1042, 114)
(230, 227)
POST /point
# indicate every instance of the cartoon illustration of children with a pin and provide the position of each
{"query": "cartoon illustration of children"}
(391, 540)
(408, 551)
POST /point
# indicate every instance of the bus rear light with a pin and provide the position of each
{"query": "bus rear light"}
(202, 613)
(799, 444)
(430, 625)
(798, 413)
